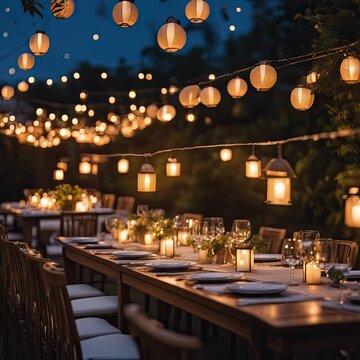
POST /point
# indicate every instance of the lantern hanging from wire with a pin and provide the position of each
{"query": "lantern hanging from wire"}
(173, 167)
(39, 43)
(237, 88)
(23, 86)
(197, 11)
(146, 179)
(352, 208)
(7, 92)
(171, 36)
(225, 154)
(350, 70)
(253, 166)
(263, 76)
(123, 166)
(125, 13)
(210, 96)
(189, 96)
(26, 61)
(301, 97)
(312, 77)
(58, 174)
(85, 167)
(62, 9)
(166, 113)
(94, 169)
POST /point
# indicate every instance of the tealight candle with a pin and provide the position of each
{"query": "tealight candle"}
(169, 247)
(182, 237)
(162, 246)
(312, 274)
(122, 235)
(81, 206)
(244, 258)
(148, 239)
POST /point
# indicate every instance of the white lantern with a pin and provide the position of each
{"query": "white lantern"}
(263, 77)
(62, 164)
(253, 167)
(85, 167)
(225, 154)
(171, 36)
(39, 43)
(350, 70)
(210, 96)
(352, 208)
(237, 88)
(26, 61)
(151, 111)
(166, 113)
(62, 9)
(125, 13)
(244, 258)
(189, 96)
(123, 166)
(7, 92)
(301, 97)
(58, 174)
(23, 86)
(197, 11)
(312, 77)
(146, 181)
(173, 167)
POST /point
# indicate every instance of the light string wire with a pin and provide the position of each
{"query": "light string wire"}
(315, 137)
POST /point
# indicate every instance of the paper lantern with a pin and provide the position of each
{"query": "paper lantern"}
(151, 111)
(166, 113)
(23, 86)
(237, 88)
(197, 11)
(85, 167)
(26, 61)
(301, 97)
(39, 43)
(210, 96)
(312, 77)
(350, 70)
(189, 96)
(253, 167)
(263, 77)
(352, 208)
(244, 258)
(173, 167)
(123, 166)
(146, 181)
(62, 164)
(62, 9)
(7, 92)
(171, 36)
(125, 13)
(225, 154)
(58, 174)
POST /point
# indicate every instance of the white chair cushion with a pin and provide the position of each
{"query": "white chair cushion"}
(79, 291)
(91, 327)
(96, 306)
(108, 347)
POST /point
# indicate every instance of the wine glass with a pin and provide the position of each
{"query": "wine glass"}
(324, 254)
(112, 223)
(306, 240)
(142, 209)
(242, 229)
(291, 254)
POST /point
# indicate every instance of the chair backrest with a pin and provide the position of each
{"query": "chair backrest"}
(108, 201)
(78, 223)
(157, 343)
(346, 251)
(125, 203)
(274, 238)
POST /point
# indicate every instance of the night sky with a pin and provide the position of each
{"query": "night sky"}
(74, 36)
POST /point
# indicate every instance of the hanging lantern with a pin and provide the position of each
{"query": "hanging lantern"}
(146, 179)
(58, 174)
(94, 169)
(62, 164)
(253, 166)
(197, 11)
(263, 77)
(189, 96)
(26, 61)
(171, 36)
(85, 166)
(123, 166)
(237, 88)
(151, 111)
(312, 77)
(301, 97)
(125, 13)
(39, 43)
(7, 92)
(210, 96)
(225, 154)
(173, 167)
(166, 113)
(62, 9)
(278, 173)
(352, 208)
(23, 86)
(350, 70)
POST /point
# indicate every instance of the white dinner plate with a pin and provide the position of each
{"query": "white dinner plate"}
(127, 254)
(257, 288)
(80, 239)
(212, 277)
(169, 265)
(353, 274)
(267, 257)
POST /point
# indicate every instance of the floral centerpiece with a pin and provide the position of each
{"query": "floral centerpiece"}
(67, 196)
(163, 228)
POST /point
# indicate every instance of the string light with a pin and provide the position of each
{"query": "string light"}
(123, 166)
(225, 154)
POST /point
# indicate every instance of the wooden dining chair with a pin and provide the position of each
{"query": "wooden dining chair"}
(125, 203)
(108, 201)
(346, 251)
(78, 223)
(158, 343)
(274, 237)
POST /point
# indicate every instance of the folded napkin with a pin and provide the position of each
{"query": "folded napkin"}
(346, 306)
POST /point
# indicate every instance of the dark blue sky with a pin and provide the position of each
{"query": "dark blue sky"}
(75, 35)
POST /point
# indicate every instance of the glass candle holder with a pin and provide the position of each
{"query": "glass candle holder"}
(244, 258)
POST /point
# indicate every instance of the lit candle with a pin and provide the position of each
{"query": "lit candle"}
(169, 247)
(312, 274)
(182, 237)
(203, 256)
(148, 239)
(81, 206)
(244, 258)
(162, 246)
(355, 214)
(147, 182)
(121, 235)
(279, 189)
(44, 202)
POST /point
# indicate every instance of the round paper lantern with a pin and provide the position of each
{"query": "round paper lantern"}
(146, 179)
(189, 96)
(62, 9)
(225, 154)
(23, 86)
(237, 88)
(197, 11)
(173, 167)
(166, 113)
(125, 13)
(350, 70)
(263, 77)
(26, 61)
(39, 43)
(210, 96)
(7, 92)
(312, 77)
(302, 98)
(171, 36)
(151, 111)
(123, 166)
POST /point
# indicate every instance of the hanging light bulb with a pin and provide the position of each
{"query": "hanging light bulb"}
(62, 9)
(189, 96)
(278, 173)
(197, 11)
(125, 13)
(253, 166)
(123, 166)
(85, 166)
(301, 97)
(26, 61)
(171, 36)
(58, 174)
(190, 117)
(263, 77)
(312, 77)
(225, 154)
(352, 208)
(350, 70)
(146, 180)
(7, 92)
(210, 96)
(166, 113)
(173, 167)
(39, 43)
(23, 86)
(237, 88)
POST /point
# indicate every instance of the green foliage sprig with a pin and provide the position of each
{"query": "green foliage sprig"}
(66, 194)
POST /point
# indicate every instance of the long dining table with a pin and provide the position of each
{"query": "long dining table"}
(277, 330)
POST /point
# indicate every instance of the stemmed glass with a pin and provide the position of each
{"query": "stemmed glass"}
(241, 229)
(324, 254)
(343, 269)
(112, 223)
(306, 241)
(142, 209)
(291, 254)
